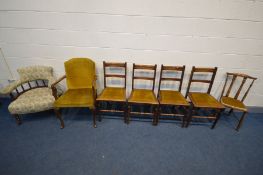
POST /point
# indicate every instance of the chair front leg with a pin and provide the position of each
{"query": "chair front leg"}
(59, 116)
(189, 117)
(217, 114)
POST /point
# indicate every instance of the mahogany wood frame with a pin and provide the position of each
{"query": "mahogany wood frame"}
(16, 93)
(186, 108)
(217, 111)
(154, 107)
(106, 75)
(234, 76)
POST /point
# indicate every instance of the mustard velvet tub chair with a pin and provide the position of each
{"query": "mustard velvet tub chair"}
(31, 93)
(81, 83)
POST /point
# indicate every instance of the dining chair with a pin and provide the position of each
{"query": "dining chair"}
(232, 101)
(172, 98)
(203, 100)
(143, 96)
(113, 94)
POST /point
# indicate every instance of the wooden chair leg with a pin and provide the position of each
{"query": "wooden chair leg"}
(155, 116)
(218, 114)
(125, 112)
(128, 114)
(241, 121)
(58, 115)
(189, 117)
(97, 105)
(230, 112)
(185, 117)
(94, 118)
(18, 119)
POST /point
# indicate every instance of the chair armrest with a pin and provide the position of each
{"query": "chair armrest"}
(9, 88)
(53, 86)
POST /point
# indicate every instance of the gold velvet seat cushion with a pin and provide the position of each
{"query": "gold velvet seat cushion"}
(112, 94)
(34, 100)
(204, 100)
(168, 97)
(143, 96)
(76, 98)
(233, 103)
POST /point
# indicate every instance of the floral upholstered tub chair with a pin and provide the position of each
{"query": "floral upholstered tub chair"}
(32, 92)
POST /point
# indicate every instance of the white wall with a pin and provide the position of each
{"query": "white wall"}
(223, 33)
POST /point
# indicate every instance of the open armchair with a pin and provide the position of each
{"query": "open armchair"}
(32, 92)
(81, 86)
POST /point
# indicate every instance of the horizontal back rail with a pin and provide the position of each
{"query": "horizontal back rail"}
(114, 65)
(146, 68)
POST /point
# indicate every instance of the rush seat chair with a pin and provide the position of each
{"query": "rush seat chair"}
(31, 93)
(173, 98)
(81, 83)
(233, 102)
(201, 100)
(143, 96)
(113, 94)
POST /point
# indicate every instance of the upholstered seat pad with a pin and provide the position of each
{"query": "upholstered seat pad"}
(143, 96)
(204, 100)
(112, 94)
(35, 100)
(76, 98)
(233, 103)
(168, 97)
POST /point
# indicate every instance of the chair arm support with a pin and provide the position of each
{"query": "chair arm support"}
(94, 88)
(53, 86)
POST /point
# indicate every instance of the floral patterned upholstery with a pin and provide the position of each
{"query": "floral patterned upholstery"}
(29, 74)
(35, 100)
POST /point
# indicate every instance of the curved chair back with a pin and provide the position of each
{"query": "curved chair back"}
(32, 73)
(80, 73)
(233, 77)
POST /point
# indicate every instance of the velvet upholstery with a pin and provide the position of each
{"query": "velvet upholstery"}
(204, 100)
(143, 96)
(112, 94)
(80, 77)
(80, 73)
(233, 103)
(169, 97)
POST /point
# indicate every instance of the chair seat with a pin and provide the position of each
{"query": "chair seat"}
(34, 100)
(204, 100)
(76, 98)
(113, 94)
(233, 103)
(168, 97)
(143, 96)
